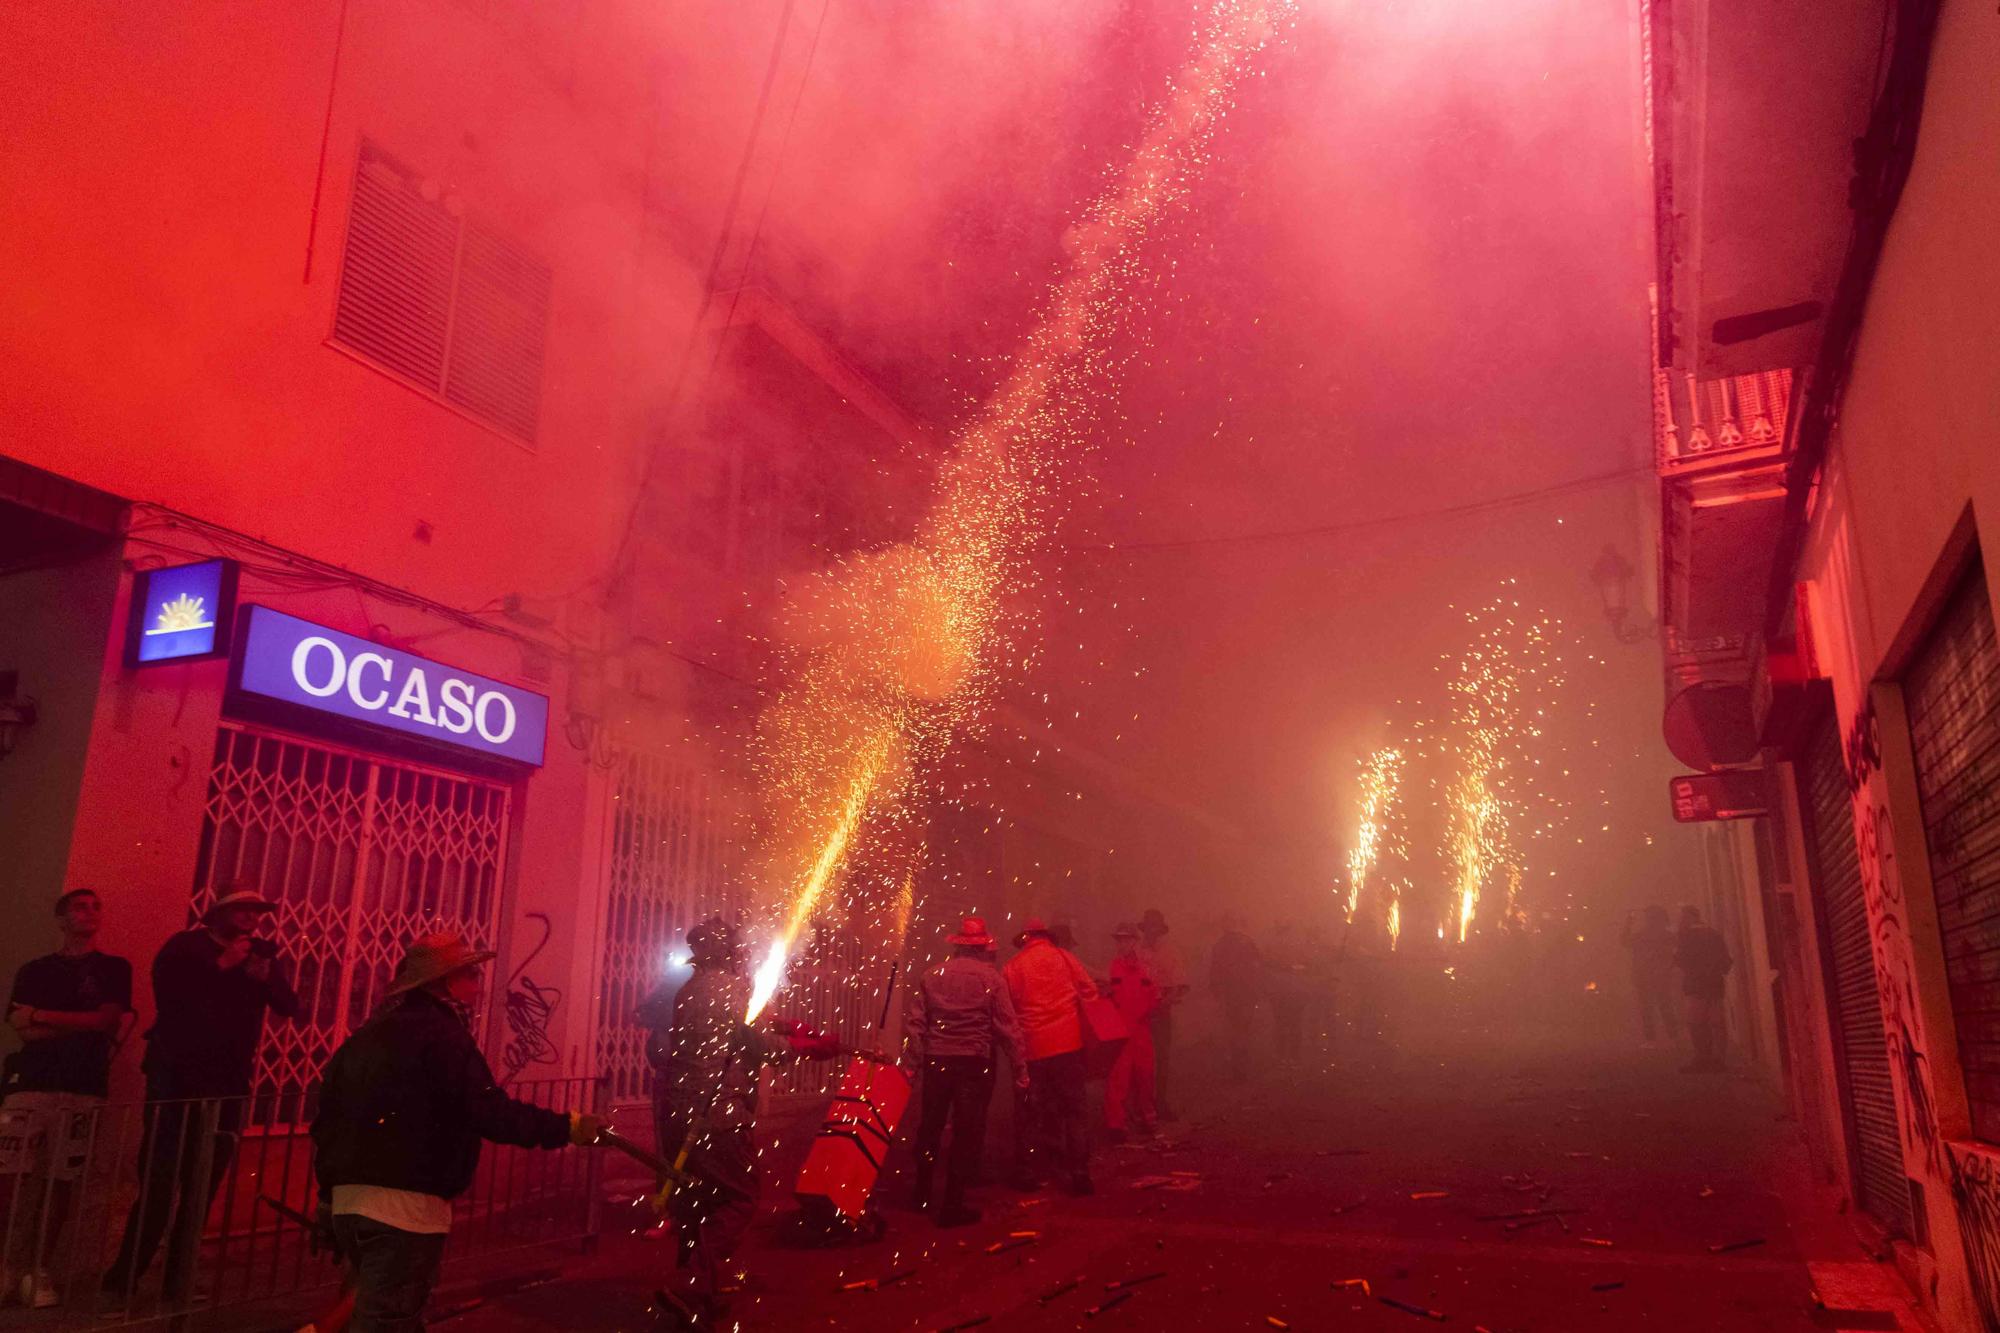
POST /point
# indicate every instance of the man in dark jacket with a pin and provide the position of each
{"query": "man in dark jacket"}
(1652, 944)
(1236, 971)
(406, 1101)
(961, 1013)
(211, 986)
(1704, 961)
(705, 1106)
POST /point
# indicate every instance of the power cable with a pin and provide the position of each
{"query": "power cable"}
(1508, 501)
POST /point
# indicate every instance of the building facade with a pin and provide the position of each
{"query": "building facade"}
(431, 369)
(1828, 396)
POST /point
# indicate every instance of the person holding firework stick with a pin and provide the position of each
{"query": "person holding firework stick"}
(405, 1103)
(705, 1102)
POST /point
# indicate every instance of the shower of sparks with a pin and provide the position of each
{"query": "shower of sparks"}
(906, 901)
(771, 973)
(1500, 694)
(1381, 774)
(1393, 919)
(891, 653)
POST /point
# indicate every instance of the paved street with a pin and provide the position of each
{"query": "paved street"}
(1266, 1199)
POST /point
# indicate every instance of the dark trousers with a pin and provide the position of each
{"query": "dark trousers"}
(958, 1089)
(711, 1210)
(1705, 1026)
(1163, 1047)
(1658, 1014)
(171, 1188)
(1239, 1016)
(394, 1271)
(1057, 1131)
(1288, 1026)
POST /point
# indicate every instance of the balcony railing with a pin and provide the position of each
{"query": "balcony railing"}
(1706, 421)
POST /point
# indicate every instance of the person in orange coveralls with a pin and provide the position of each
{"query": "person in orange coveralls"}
(1137, 994)
(1048, 985)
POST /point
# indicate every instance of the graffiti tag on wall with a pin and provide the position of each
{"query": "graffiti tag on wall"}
(529, 1008)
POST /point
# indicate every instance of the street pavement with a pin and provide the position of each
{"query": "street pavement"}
(1352, 1195)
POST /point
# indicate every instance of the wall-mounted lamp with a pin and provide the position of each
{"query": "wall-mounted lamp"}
(1613, 576)
(16, 714)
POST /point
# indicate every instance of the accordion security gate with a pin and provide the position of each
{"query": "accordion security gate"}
(665, 872)
(361, 854)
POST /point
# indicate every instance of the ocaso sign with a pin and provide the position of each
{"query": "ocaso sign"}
(311, 666)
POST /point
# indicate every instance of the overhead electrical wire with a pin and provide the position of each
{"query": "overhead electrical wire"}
(1511, 500)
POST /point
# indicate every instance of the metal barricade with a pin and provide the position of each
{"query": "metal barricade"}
(193, 1213)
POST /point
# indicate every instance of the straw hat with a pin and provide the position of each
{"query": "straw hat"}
(973, 933)
(434, 956)
(239, 898)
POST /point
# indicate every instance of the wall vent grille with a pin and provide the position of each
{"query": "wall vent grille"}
(453, 307)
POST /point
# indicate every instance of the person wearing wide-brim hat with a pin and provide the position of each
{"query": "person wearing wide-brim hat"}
(405, 1103)
(960, 1013)
(212, 986)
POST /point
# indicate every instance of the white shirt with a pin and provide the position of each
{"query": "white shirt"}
(405, 1210)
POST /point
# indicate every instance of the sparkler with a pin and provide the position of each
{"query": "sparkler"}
(902, 647)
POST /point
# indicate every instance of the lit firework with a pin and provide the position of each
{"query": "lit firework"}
(1501, 693)
(895, 652)
(1381, 776)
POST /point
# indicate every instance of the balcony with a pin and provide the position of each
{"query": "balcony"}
(1730, 422)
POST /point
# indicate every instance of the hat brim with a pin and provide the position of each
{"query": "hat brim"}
(226, 905)
(425, 976)
(981, 941)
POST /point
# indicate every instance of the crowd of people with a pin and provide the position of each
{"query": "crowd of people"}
(408, 1098)
(403, 1107)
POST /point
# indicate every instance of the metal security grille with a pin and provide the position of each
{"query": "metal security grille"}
(665, 872)
(361, 855)
(1861, 1049)
(446, 303)
(1952, 691)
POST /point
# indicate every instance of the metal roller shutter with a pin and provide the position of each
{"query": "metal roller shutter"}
(1861, 1047)
(1952, 692)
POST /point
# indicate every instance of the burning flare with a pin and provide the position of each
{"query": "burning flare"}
(771, 972)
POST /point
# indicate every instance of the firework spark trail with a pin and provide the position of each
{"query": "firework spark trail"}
(903, 651)
(1492, 729)
(1381, 775)
(771, 974)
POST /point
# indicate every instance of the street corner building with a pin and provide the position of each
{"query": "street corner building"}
(345, 558)
(1825, 363)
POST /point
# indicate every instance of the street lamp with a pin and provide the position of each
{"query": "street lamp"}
(1613, 576)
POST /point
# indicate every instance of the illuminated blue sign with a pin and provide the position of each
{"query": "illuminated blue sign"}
(181, 613)
(297, 662)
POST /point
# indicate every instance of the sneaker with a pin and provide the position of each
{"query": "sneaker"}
(38, 1292)
(1024, 1184)
(1080, 1186)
